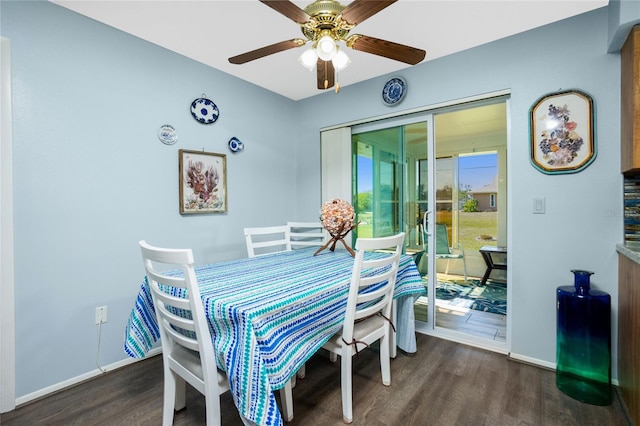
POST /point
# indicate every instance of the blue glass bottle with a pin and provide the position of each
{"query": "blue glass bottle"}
(583, 351)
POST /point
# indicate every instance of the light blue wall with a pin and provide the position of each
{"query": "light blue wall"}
(91, 177)
(623, 15)
(584, 219)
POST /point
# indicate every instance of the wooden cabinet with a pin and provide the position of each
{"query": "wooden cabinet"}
(629, 334)
(630, 102)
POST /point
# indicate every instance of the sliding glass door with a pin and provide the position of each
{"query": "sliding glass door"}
(441, 179)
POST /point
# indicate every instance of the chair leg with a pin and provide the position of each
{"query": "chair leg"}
(393, 340)
(286, 399)
(385, 360)
(170, 397)
(212, 406)
(302, 371)
(464, 265)
(345, 384)
(181, 393)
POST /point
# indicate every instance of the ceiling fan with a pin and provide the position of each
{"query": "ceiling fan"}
(324, 23)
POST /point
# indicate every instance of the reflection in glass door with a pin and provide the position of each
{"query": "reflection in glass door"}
(391, 183)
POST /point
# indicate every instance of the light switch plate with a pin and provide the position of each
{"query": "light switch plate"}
(538, 206)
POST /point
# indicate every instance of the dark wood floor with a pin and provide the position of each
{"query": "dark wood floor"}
(445, 383)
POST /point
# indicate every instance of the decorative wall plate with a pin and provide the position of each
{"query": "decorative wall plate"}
(235, 145)
(394, 90)
(204, 110)
(167, 134)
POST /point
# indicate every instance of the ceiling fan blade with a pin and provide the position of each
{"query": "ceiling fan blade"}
(289, 10)
(326, 74)
(266, 51)
(359, 10)
(388, 49)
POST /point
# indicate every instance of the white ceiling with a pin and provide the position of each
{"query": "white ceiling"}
(211, 31)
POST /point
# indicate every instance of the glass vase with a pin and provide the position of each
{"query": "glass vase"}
(583, 350)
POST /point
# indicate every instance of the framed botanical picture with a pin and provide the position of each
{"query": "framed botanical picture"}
(203, 182)
(562, 132)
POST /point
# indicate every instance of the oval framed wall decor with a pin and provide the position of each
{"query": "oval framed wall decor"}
(562, 136)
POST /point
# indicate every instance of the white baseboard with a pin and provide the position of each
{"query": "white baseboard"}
(82, 378)
(533, 361)
(462, 338)
(545, 364)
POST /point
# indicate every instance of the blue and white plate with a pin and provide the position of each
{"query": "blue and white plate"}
(204, 111)
(394, 90)
(235, 144)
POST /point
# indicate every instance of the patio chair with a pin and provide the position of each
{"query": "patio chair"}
(443, 249)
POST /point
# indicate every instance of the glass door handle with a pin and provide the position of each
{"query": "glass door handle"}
(425, 222)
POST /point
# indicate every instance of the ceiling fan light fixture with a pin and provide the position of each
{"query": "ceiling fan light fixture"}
(327, 48)
(341, 60)
(325, 24)
(309, 58)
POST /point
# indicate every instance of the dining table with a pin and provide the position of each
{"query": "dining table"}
(269, 314)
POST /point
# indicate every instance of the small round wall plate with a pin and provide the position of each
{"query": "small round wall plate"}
(235, 145)
(204, 110)
(167, 134)
(394, 90)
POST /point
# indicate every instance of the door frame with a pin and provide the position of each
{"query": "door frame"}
(7, 306)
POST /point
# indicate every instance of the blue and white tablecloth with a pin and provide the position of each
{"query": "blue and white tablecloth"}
(269, 314)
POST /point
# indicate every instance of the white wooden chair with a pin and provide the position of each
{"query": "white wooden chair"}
(369, 310)
(306, 234)
(187, 355)
(267, 239)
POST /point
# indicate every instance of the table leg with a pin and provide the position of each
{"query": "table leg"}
(486, 275)
(286, 399)
(489, 262)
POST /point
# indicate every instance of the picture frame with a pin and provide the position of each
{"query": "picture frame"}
(562, 136)
(203, 182)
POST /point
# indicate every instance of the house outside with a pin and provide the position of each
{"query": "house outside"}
(487, 196)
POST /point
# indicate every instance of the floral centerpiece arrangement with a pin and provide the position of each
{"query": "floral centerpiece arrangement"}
(338, 218)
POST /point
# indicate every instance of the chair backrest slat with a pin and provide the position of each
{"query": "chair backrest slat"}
(272, 238)
(442, 239)
(306, 234)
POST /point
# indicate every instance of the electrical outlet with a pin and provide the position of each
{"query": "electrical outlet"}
(101, 315)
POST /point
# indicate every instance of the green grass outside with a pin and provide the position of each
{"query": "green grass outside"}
(365, 229)
(472, 226)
